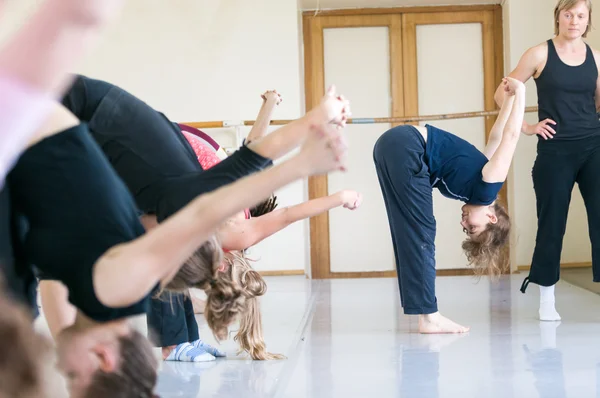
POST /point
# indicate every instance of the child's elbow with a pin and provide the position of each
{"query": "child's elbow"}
(102, 281)
(113, 269)
(498, 97)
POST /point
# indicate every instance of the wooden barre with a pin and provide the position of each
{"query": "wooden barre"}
(404, 119)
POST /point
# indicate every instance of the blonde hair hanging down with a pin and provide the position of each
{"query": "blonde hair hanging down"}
(234, 293)
(231, 293)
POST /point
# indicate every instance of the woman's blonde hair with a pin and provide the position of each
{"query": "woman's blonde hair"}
(567, 5)
(199, 269)
(232, 288)
(485, 251)
(232, 294)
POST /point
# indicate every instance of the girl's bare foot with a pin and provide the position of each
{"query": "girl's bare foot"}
(436, 323)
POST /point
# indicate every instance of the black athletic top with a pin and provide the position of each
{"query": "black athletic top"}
(566, 94)
(77, 208)
(148, 151)
(19, 280)
(142, 145)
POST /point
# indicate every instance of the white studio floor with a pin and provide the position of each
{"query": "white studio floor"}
(349, 338)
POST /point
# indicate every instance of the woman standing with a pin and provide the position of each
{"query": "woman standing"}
(565, 70)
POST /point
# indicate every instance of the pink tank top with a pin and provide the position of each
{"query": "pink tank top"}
(206, 157)
(22, 112)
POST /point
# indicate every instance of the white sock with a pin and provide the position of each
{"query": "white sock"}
(201, 345)
(547, 308)
(186, 352)
(547, 294)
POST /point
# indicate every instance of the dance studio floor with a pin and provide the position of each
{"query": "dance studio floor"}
(347, 338)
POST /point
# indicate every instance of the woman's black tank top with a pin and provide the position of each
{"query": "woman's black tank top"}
(566, 94)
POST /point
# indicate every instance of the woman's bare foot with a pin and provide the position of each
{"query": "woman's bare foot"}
(198, 304)
(436, 323)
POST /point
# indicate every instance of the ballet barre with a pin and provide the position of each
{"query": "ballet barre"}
(377, 120)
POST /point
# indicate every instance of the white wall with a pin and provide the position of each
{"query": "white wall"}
(198, 60)
(209, 60)
(522, 32)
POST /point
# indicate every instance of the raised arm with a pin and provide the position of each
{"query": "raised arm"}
(241, 234)
(498, 129)
(53, 41)
(497, 168)
(533, 60)
(34, 65)
(275, 145)
(270, 100)
(527, 67)
(157, 255)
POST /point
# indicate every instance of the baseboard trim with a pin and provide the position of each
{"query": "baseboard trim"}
(586, 264)
(289, 272)
(455, 272)
(356, 275)
(392, 274)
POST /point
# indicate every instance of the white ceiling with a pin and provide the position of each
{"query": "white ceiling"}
(334, 4)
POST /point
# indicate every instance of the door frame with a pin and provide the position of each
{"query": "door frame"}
(401, 23)
(314, 91)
